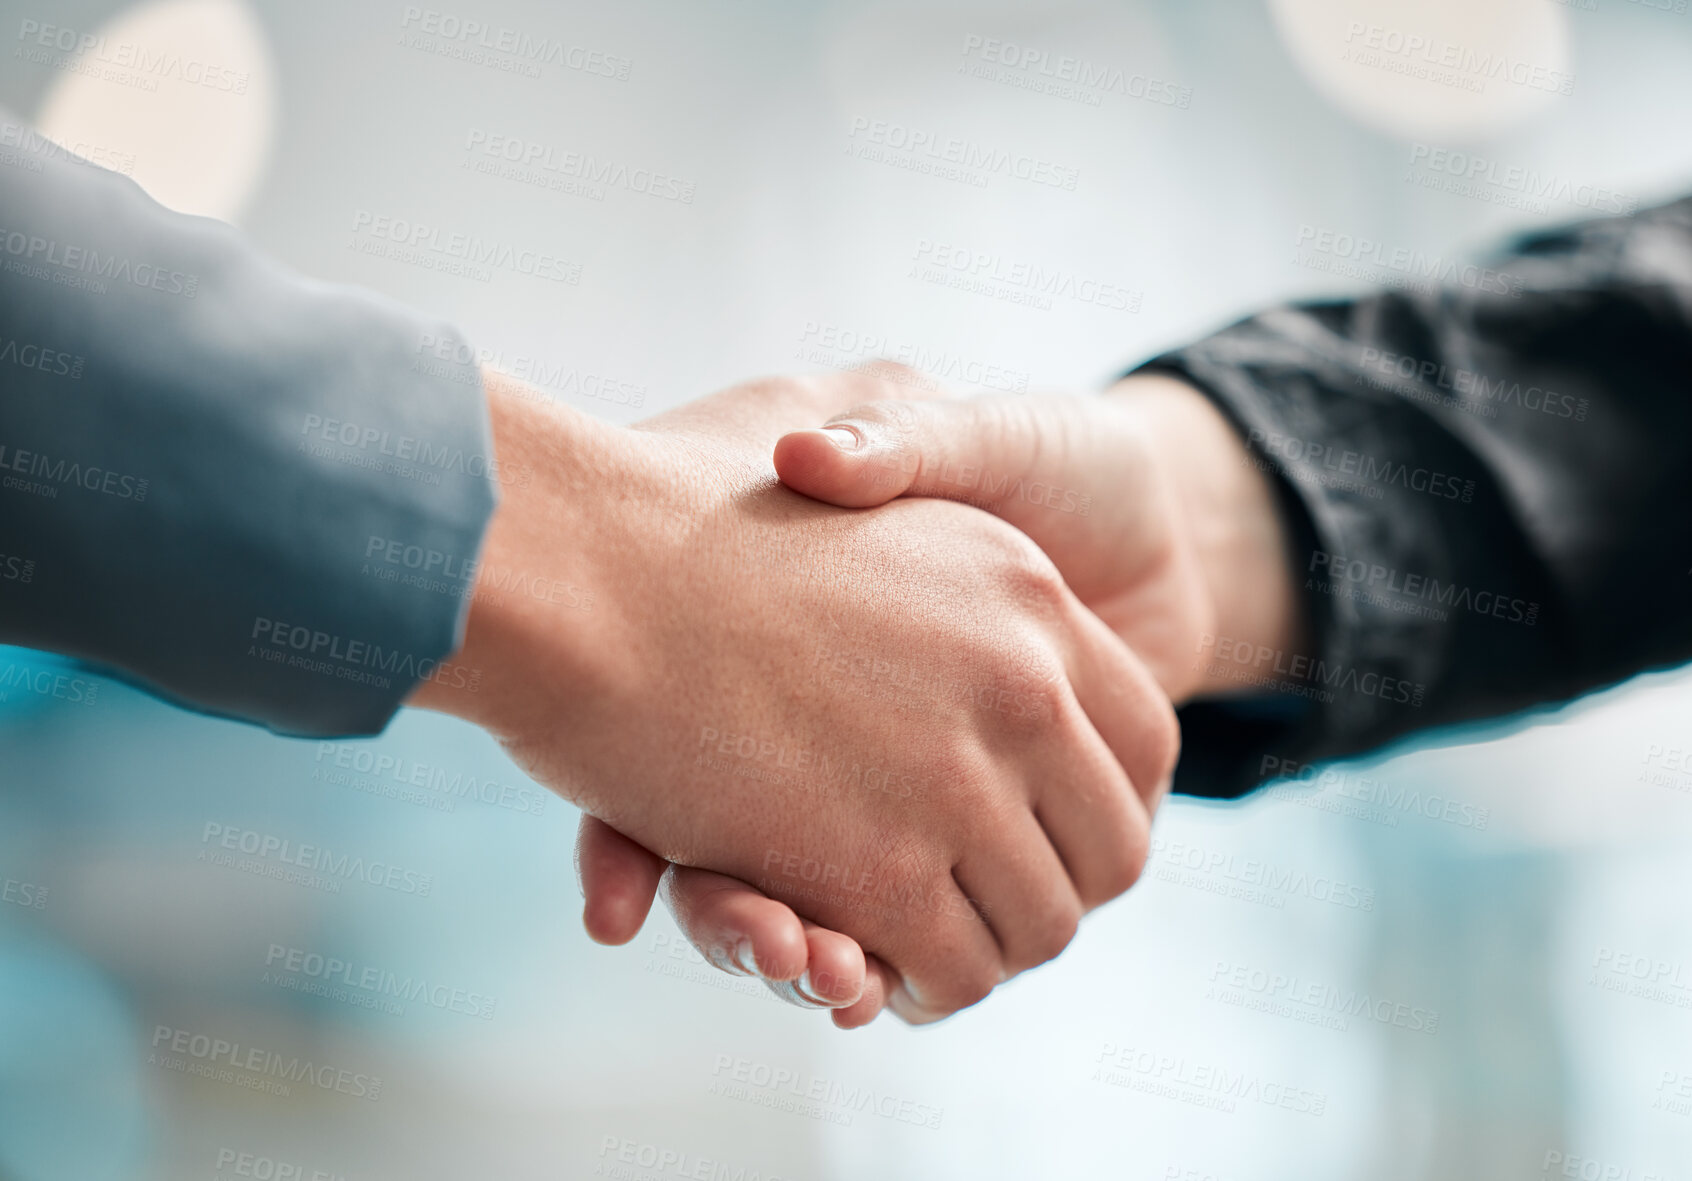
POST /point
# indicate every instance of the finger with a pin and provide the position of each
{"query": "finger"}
(1017, 882)
(1095, 820)
(954, 964)
(1127, 707)
(1117, 749)
(834, 972)
(736, 927)
(904, 1005)
(879, 982)
(984, 450)
(917, 922)
(618, 878)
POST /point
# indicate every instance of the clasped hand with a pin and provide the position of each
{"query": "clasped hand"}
(880, 751)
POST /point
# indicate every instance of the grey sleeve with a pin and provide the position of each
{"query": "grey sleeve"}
(255, 494)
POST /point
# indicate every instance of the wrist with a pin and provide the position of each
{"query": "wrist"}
(1232, 522)
(536, 585)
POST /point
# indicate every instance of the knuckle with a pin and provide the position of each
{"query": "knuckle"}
(1163, 744)
(985, 788)
(967, 985)
(1132, 849)
(1017, 692)
(1029, 577)
(1051, 695)
(900, 417)
(891, 429)
(1049, 716)
(1027, 655)
(958, 775)
(1056, 930)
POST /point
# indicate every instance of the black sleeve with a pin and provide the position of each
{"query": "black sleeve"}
(1490, 487)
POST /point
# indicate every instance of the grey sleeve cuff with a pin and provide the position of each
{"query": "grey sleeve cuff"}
(259, 495)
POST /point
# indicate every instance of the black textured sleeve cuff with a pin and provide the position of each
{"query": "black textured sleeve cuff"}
(1401, 544)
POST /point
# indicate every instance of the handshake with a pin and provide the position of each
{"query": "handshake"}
(879, 692)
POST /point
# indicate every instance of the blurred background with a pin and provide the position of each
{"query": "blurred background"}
(753, 186)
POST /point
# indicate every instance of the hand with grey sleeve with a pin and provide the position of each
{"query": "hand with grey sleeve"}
(302, 505)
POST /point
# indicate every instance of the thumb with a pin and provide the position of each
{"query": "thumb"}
(981, 450)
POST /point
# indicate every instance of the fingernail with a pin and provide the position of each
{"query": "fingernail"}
(807, 990)
(842, 438)
(744, 957)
